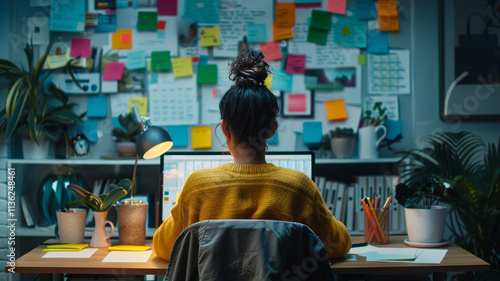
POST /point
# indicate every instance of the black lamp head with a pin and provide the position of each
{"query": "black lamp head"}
(153, 141)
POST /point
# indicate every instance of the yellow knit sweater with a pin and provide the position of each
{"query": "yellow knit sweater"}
(252, 192)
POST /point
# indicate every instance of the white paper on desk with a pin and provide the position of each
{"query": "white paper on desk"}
(127, 256)
(83, 254)
(430, 255)
(385, 254)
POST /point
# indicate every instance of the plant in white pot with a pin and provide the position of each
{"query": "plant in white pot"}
(342, 141)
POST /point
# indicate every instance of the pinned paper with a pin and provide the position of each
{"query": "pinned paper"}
(122, 39)
(90, 129)
(378, 42)
(317, 36)
(161, 25)
(321, 20)
(285, 14)
(179, 135)
(136, 60)
(167, 7)
(336, 6)
(67, 15)
(282, 33)
(147, 21)
(141, 102)
(282, 81)
(183, 67)
(361, 59)
(297, 103)
(201, 137)
(388, 15)
(366, 9)
(207, 74)
(97, 106)
(335, 110)
(160, 60)
(113, 71)
(312, 132)
(257, 33)
(296, 63)
(271, 51)
(80, 47)
(210, 36)
(349, 31)
(203, 60)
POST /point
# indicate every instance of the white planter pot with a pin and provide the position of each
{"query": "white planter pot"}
(425, 225)
(343, 147)
(125, 149)
(31, 150)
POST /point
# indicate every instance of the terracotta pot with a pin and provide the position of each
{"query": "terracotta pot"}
(125, 149)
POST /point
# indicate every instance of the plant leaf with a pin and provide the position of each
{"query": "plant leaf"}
(58, 93)
(16, 109)
(113, 196)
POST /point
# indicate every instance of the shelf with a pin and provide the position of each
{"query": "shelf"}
(356, 161)
(98, 162)
(48, 231)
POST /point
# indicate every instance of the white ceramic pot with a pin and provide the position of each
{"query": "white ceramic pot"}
(343, 147)
(70, 226)
(425, 225)
(368, 141)
(32, 150)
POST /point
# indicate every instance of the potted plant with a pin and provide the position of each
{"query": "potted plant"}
(342, 142)
(30, 110)
(126, 135)
(100, 205)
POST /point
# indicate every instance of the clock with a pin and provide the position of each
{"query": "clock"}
(81, 145)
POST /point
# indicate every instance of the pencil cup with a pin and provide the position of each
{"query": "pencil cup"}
(132, 222)
(377, 227)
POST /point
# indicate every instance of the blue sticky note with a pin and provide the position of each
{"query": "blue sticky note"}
(282, 81)
(116, 123)
(124, 4)
(136, 60)
(203, 60)
(366, 9)
(274, 140)
(179, 135)
(349, 31)
(257, 33)
(97, 106)
(307, 1)
(204, 11)
(378, 42)
(394, 128)
(89, 128)
(312, 132)
(67, 15)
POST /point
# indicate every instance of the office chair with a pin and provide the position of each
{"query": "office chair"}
(248, 250)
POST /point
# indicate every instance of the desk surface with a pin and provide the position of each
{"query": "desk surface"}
(456, 259)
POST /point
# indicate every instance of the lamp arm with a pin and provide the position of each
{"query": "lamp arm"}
(133, 179)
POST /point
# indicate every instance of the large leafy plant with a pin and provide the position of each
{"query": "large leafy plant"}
(131, 129)
(421, 194)
(102, 202)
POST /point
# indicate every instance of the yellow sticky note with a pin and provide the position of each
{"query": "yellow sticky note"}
(122, 39)
(282, 33)
(335, 110)
(388, 15)
(268, 82)
(346, 30)
(210, 36)
(65, 247)
(201, 137)
(182, 67)
(142, 103)
(129, 248)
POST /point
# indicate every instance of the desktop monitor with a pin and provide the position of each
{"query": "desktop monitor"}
(176, 166)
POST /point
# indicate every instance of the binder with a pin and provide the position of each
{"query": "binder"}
(359, 211)
(379, 188)
(370, 186)
(331, 188)
(321, 186)
(340, 202)
(349, 218)
(395, 208)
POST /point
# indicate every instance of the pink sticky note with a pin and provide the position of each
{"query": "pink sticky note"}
(297, 102)
(125, 38)
(167, 7)
(296, 64)
(113, 71)
(161, 25)
(336, 6)
(271, 50)
(80, 47)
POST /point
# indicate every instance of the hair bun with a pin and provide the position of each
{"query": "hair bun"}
(249, 68)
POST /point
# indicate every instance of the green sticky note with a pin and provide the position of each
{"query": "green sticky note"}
(321, 20)
(160, 60)
(147, 21)
(317, 36)
(361, 59)
(207, 74)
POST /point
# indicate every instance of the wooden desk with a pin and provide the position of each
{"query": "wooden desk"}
(456, 259)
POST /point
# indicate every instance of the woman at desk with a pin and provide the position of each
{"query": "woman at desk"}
(250, 188)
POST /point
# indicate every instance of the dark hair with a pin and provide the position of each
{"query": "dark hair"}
(248, 107)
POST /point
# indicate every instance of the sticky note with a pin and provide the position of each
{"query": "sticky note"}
(282, 81)
(201, 137)
(297, 103)
(97, 106)
(335, 110)
(296, 63)
(183, 67)
(179, 135)
(378, 42)
(89, 128)
(268, 82)
(284, 14)
(147, 21)
(312, 132)
(336, 6)
(257, 33)
(210, 36)
(161, 25)
(203, 60)
(128, 248)
(350, 32)
(361, 59)
(346, 30)
(366, 9)
(207, 74)
(141, 102)
(394, 128)
(388, 15)
(80, 47)
(271, 51)
(167, 7)
(136, 60)
(113, 71)
(160, 60)
(122, 39)
(317, 36)
(274, 139)
(282, 33)
(321, 20)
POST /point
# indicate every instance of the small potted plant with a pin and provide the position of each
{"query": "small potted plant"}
(370, 129)
(126, 135)
(342, 142)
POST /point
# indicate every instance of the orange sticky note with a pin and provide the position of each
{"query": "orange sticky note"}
(335, 110)
(285, 14)
(271, 51)
(201, 137)
(388, 15)
(282, 33)
(122, 39)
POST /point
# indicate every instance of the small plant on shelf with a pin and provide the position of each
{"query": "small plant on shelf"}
(126, 135)
(370, 119)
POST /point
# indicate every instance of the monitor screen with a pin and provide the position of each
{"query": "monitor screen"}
(176, 167)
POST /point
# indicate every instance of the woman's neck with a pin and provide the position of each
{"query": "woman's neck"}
(245, 155)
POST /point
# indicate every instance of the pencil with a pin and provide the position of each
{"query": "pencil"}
(382, 216)
(369, 212)
(377, 223)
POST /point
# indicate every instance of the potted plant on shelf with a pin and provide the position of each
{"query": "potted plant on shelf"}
(30, 110)
(342, 142)
(100, 206)
(126, 135)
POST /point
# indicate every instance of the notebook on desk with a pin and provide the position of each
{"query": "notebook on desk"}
(177, 166)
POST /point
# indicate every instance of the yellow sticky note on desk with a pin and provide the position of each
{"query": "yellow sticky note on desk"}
(142, 103)
(129, 248)
(335, 110)
(122, 39)
(201, 137)
(65, 247)
(182, 67)
(210, 36)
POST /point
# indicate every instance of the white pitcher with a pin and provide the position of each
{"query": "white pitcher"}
(368, 142)
(99, 238)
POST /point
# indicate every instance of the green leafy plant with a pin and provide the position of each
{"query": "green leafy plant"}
(421, 194)
(99, 203)
(342, 133)
(370, 119)
(132, 129)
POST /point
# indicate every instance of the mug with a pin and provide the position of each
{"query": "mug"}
(368, 142)
(70, 227)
